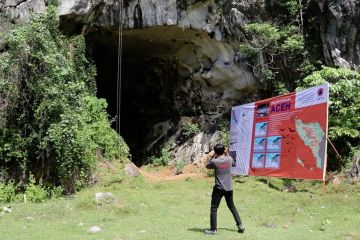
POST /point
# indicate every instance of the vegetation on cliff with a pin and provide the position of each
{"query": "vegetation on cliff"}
(51, 124)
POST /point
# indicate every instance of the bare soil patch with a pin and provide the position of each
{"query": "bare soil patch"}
(169, 173)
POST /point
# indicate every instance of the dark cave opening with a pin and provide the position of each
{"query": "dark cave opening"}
(148, 83)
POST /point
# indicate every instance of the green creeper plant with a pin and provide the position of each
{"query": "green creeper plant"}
(51, 123)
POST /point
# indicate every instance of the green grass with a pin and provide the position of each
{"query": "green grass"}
(180, 210)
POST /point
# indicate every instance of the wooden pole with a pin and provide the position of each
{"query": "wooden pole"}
(337, 153)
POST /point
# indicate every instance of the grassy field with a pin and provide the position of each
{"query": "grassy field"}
(180, 210)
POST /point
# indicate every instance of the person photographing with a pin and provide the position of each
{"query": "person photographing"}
(221, 162)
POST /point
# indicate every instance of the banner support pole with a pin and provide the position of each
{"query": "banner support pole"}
(332, 145)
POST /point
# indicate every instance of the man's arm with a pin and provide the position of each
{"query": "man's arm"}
(210, 165)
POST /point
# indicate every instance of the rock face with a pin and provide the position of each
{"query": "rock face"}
(176, 63)
(180, 60)
(340, 29)
(339, 20)
(21, 9)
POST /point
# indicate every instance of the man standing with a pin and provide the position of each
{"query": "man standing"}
(221, 163)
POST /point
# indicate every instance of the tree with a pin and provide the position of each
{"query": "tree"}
(274, 49)
(344, 109)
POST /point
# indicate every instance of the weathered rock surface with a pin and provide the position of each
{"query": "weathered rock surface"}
(21, 9)
(340, 29)
(339, 25)
(195, 149)
(339, 20)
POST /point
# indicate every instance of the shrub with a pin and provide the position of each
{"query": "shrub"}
(56, 192)
(163, 159)
(190, 129)
(7, 192)
(77, 138)
(180, 165)
(35, 192)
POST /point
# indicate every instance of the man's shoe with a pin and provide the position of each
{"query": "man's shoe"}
(241, 228)
(209, 231)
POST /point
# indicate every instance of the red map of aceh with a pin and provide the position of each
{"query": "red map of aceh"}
(284, 136)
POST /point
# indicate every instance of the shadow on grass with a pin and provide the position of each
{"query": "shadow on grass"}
(286, 185)
(196, 229)
(270, 185)
(238, 180)
(227, 229)
(202, 229)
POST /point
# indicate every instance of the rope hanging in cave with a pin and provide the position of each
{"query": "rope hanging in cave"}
(119, 69)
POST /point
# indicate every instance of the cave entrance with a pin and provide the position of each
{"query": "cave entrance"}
(150, 79)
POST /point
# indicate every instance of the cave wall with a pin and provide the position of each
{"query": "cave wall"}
(169, 74)
(177, 67)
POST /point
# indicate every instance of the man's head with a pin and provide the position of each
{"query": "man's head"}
(219, 149)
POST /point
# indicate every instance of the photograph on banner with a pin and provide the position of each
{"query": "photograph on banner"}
(272, 160)
(262, 110)
(261, 129)
(258, 160)
(259, 145)
(274, 143)
(287, 135)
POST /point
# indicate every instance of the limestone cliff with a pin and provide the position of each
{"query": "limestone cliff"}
(181, 60)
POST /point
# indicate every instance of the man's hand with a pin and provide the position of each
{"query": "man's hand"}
(207, 157)
(211, 154)
(226, 152)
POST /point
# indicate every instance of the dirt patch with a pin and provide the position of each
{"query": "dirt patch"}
(169, 173)
(194, 170)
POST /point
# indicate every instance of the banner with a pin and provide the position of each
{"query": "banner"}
(283, 136)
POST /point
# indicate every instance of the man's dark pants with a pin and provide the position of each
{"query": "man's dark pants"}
(216, 196)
